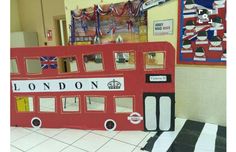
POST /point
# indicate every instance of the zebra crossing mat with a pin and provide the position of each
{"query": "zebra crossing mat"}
(189, 136)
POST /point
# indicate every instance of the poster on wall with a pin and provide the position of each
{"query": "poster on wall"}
(202, 32)
(122, 22)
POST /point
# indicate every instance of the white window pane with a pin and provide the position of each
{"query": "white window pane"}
(150, 113)
(47, 104)
(14, 68)
(31, 104)
(70, 104)
(33, 66)
(95, 103)
(124, 104)
(165, 113)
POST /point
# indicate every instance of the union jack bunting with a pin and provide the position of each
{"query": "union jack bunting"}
(48, 62)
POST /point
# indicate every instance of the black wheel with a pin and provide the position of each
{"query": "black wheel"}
(36, 122)
(110, 125)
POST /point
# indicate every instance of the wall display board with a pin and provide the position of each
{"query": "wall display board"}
(124, 21)
(202, 32)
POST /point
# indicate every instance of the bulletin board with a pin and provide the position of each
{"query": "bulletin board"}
(202, 32)
(109, 23)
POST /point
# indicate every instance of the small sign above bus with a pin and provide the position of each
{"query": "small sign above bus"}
(158, 78)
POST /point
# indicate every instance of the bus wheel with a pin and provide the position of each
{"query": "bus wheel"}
(110, 125)
(36, 122)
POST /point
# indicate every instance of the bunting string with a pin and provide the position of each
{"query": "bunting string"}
(129, 8)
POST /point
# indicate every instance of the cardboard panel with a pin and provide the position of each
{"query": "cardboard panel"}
(150, 113)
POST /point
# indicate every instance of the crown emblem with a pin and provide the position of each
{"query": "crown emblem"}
(114, 84)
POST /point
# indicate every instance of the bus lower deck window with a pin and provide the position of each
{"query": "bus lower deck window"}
(95, 103)
(124, 104)
(47, 104)
(70, 104)
(24, 104)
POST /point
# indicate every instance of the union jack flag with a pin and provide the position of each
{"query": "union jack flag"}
(48, 62)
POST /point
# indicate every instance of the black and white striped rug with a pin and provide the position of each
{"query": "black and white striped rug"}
(189, 136)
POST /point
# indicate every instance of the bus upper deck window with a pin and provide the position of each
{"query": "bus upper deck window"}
(93, 62)
(124, 104)
(125, 60)
(47, 105)
(95, 103)
(67, 64)
(70, 104)
(24, 104)
(154, 60)
(33, 66)
(14, 68)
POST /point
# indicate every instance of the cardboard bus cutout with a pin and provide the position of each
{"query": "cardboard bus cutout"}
(124, 86)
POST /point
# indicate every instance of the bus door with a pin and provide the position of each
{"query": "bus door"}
(159, 111)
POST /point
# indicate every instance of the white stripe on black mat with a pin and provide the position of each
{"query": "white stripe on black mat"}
(166, 138)
(190, 136)
(206, 141)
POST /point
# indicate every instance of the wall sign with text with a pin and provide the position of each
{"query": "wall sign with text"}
(163, 27)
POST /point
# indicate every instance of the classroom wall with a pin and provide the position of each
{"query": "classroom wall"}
(15, 18)
(200, 90)
(31, 17)
(201, 94)
(169, 10)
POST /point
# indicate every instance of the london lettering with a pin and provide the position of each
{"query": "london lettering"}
(59, 85)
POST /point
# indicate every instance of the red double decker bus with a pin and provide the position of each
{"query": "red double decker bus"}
(129, 86)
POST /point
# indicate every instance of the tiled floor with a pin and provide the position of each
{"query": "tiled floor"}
(189, 136)
(74, 140)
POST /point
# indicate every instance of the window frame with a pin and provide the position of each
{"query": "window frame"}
(95, 111)
(124, 96)
(77, 64)
(16, 59)
(34, 104)
(25, 64)
(70, 112)
(154, 69)
(56, 107)
(84, 65)
(127, 51)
